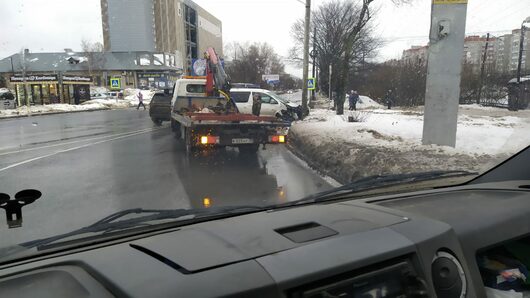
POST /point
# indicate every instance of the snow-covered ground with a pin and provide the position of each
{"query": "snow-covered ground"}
(480, 130)
(130, 100)
(52, 108)
(389, 141)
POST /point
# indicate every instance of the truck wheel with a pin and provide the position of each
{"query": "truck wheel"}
(175, 126)
(188, 142)
(157, 122)
(177, 130)
(249, 149)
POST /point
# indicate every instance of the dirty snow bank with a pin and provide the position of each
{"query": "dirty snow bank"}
(109, 103)
(52, 108)
(389, 141)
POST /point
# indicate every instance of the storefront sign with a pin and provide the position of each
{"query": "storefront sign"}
(198, 67)
(75, 79)
(147, 75)
(155, 80)
(34, 78)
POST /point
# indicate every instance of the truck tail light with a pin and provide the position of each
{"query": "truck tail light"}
(277, 139)
(205, 140)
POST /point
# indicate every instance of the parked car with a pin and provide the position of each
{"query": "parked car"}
(7, 100)
(160, 107)
(271, 103)
(99, 95)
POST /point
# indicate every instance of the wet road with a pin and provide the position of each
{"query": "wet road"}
(89, 165)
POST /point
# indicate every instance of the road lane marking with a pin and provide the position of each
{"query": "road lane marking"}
(76, 148)
(73, 142)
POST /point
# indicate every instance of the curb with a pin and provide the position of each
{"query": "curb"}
(298, 153)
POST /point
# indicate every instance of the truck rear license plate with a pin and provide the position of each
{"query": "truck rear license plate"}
(242, 141)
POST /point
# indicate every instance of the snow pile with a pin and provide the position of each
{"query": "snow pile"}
(131, 95)
(389, 141)
(109, 103)
(366, 102)
(52, 108)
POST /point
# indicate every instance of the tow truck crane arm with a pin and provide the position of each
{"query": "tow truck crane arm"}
(217, 81)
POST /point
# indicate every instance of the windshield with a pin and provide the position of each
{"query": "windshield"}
(111, 106)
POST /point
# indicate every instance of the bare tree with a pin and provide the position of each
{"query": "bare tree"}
(94, 54)
(344, 37)
(253, 61)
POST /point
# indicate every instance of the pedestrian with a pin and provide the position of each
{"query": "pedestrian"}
(389, 99)
(256, 104)
(353, 98)
(140, 100)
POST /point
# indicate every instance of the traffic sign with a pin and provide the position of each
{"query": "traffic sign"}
(311, 84)
(115, 83)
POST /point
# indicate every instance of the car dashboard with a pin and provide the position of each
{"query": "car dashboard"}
(421, 244)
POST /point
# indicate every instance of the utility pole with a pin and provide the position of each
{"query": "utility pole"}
(479, 93)
(442, 94)
(306, 55)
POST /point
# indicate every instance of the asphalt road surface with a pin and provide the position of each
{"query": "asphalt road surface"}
(89, 165)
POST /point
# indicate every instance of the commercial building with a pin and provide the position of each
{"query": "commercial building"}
(179, 27)
(66, 77)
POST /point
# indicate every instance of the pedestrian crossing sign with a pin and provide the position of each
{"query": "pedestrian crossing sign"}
(311, 84)
(115, 83)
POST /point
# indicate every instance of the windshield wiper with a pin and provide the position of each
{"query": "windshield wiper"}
(109, 223)
(378, 181)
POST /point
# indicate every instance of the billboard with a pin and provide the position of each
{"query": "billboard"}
(271, 79)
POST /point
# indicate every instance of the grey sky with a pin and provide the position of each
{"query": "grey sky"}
(44, 26)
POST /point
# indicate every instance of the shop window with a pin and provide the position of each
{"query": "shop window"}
(191, 15)
(158, 59)
(144, 59)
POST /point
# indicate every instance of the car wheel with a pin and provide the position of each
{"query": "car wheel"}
(157, 122)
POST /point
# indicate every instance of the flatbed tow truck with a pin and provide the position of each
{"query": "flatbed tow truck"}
(203, 115)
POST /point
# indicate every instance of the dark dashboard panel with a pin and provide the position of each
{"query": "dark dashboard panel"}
(331, 245)
(56, 281)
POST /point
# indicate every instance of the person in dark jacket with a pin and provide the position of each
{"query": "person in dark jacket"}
(256, 104)
(389, 99)
(353, 98)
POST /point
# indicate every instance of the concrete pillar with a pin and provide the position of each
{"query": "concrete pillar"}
(448, 23)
